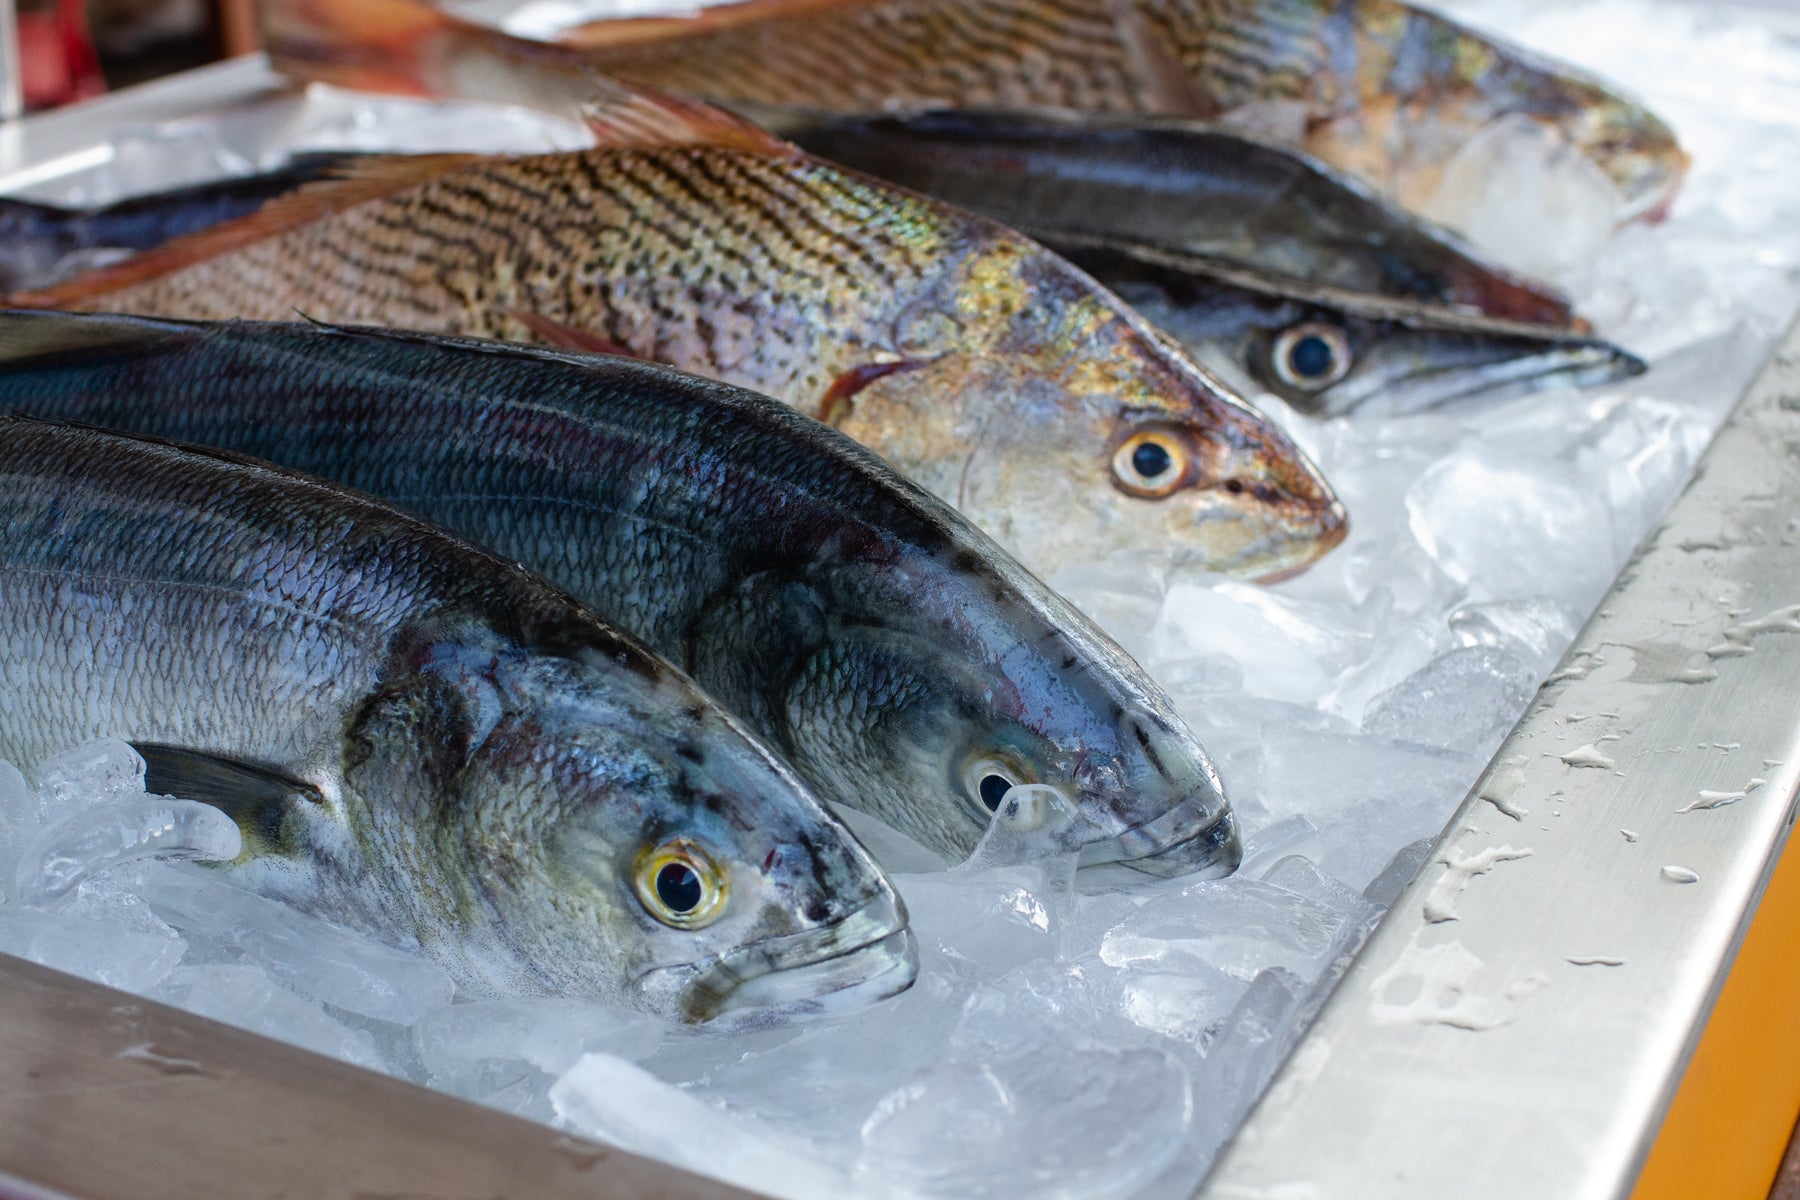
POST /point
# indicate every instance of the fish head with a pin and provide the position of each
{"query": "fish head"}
(1636, 149)
(978, 697)
(1083, 430)
(616, 835)
(1326, 356)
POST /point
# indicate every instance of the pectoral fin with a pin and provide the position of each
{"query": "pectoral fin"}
(257, 797)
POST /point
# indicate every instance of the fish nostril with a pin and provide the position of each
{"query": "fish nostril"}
(1234, 486)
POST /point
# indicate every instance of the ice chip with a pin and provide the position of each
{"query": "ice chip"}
(1515, 526)
(1298, 874)
(1026, 812)
(1386, 887)
(122, 829)
(1085, 1122)
(1537, 629)
(126, 959)
(1236, 926)
(98, 770)
(18, 824)
(247, 998)
(619, 1102)
(993, 919)
(549, 1033)
(311, 956)
(1465, 699)
(1521, 191)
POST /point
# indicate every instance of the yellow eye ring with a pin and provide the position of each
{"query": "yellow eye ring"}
(1311, 356)
(679, 884)
(1152, 463)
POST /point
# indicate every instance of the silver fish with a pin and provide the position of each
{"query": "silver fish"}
(890, 650)
(421, 740)
(1327, 351)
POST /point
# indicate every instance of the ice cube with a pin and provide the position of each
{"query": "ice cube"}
(120, 829)
(1084, 1121)
(1478, 509)
(1247, 1048)
(1298, 874)
(1537, 629)
(104, 769)
(1523, 192)
(249, 999)
(619, 1102)
(1464, 700)
(127, 959)
(1386, 887)
(18, 824)
(310, 956)
(1238, 926)
(991, 920)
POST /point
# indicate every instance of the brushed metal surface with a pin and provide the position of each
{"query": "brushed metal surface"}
(1517, 1025)
(104, 1096)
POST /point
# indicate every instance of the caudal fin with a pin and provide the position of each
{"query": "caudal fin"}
(369, 45)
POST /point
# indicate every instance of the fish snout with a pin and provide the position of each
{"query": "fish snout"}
(866, 956)
(1196, 833)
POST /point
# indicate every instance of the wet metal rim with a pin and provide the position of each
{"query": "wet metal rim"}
(1519, 1022)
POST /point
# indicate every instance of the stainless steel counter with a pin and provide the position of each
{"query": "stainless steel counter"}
(1517, 1025)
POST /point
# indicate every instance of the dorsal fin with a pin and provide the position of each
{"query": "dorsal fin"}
(637, 31)
(359, 182)
(622, 117)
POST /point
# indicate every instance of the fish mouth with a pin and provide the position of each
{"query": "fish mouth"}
(1581, 365)
(864, 957)
(1198, 838)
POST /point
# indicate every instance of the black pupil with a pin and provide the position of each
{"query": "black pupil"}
(1149, 460)
(995, 787)
(678, 887)
(1311, 357)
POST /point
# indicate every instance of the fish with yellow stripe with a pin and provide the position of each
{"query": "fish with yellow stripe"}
(980, 364)
(1378, 88)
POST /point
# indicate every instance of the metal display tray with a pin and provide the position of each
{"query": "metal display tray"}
(1515, 1028)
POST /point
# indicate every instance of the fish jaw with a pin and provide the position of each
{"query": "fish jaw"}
(1447, 369)
(866, 956)
(1197, 835)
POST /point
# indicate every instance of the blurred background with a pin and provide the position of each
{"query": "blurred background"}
(73, 49)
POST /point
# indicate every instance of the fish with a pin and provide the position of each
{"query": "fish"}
(1377, 88)
(901, 662)
(984, 367)
(41, 244)
(1326, 351)
(1174, 185)
(421, 740)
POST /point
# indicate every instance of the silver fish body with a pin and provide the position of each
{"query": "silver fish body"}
(891, 651)
(419, 739)
(1326, 351)
(1174, 185)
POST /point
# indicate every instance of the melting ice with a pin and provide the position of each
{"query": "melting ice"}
(1060, 1041)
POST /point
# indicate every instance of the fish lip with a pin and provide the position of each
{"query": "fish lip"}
(1575, 364)
(866, 956)
(1197, 837)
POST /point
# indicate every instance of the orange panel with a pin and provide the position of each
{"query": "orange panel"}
(1729, 1124)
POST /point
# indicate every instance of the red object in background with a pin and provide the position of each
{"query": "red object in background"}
(56, 54)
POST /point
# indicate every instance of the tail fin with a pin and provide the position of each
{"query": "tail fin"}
(369, 45)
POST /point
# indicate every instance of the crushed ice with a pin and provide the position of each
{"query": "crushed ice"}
(1064, 1041)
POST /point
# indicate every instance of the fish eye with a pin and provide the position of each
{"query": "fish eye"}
(1311, 356)
(1151, 463)
(987, 780)
(678, 884)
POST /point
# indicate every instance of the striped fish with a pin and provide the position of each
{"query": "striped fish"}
(980, 364)
(1374, 87)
